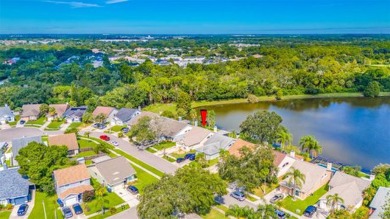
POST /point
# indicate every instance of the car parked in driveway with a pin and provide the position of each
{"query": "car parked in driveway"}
(104, 137)
(180, 159)
(22, 122)
(133, 190)
(238, 195)
(22, 209)
(190, 156)
(310, 211)
(115, 143)
(280, 214)
(219, 200)
(77, 209)
(99, 126)
(276, 198)
(125, 130)
(67, 212)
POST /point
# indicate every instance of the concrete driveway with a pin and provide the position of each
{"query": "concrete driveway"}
(14, 213)
(146, 157)
(131, 199)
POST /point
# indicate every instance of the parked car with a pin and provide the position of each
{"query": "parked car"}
(125, 130)
(105, 137)
(22, 209)
(22, 122)
(60, 203)
(280, 214)
(67, 212)
(276, 198)
(180, 159)
(238, 195)
(190, 156)
(219, 199)
(115, 143)
(99, 126)
(77, 208)
(133, 190)
(310, 211)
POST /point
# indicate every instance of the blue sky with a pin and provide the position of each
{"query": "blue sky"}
(195, 16)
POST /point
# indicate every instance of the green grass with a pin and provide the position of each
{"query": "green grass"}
(164, 145)
(268, 188)
(5, 214)
(214, 214)
(222, 207)
(17, 118)
(251, 198)
(294, 205)
(55, 125)
(51, 206)
(112, 198)
(38, 122)
(117, 128)
(86, 154)
(85, 143)
(143, 179)
(213, 162)
(149, 149)
(75, 125)
(170, 159)
(108, 213)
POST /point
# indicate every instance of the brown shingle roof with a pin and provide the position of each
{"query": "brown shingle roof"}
(278, 157)
(69, 140)
(75, 191)
(30, 110)
(71, 175)
(105, 110)
(60, 108)
(195, 136)
(235, 148)
(115, 170)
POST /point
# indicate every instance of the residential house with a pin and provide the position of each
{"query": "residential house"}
(71, 182)
(14, 189)
(316, 177)
(283, 162)
(6, 115)
(349, 188)
(194, 138)
(152, 116)
(214, 145)
(238, 144)
(74, 114)
(60, 109)
(30, 112)
(378, 203)
(124, 115)
(170, 129)
(108, 112)
(114, 173)
(69, 140)
(3, 148)
(19, 143)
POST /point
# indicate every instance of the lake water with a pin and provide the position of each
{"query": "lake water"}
(354, 131)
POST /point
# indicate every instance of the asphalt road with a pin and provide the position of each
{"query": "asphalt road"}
(9, 134)
(129, 213)
(232, 201)
(146, 157)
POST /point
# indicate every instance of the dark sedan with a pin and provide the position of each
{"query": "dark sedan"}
(77, 208)
(22, 209)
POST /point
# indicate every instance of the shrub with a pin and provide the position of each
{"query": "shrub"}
(88, 196)
(252, 98)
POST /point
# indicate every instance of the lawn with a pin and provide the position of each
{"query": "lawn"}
(268, 188)
(75, 125)
(5, 214)
(181, 153)
(214, 214)
(151, 150)
(86, 143)
(164, 145)
(55, 125)
(170, 159)
(117, 128)
(144, 179)
(39, 122)
(108, 213)
(213, 162)
(86, 154)
(298, 206)
(17, 118)
(51, 206)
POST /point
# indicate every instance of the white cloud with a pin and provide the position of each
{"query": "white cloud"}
(115, 1)
(75, 4)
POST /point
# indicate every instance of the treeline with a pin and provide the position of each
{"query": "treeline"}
(285, 68)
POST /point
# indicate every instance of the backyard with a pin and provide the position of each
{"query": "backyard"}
(51, 207)
(298, 206)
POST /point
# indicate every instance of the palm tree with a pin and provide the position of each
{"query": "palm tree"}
(296, 179)
(100, 199)
(310, 144)
(333, 201)
(284, 137)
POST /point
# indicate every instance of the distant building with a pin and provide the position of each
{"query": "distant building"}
(14, 189)
(30, 112)
(124, 115)
(108, 112)
(74, 114)
(378, 203)
(6, 115)
(19, 143)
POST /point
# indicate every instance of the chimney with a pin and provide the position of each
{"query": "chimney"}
(372, 177)
(329, 166)
(292, 154)
(196, 123)
(215, 129)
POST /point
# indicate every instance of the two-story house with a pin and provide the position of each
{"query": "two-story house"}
(70, 183)
(69, 140)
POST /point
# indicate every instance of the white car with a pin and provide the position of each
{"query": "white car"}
(115, 143)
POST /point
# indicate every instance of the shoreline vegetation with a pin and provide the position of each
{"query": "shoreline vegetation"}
(161, 107)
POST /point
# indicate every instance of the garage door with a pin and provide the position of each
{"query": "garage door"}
(71, 200)
(19, 201)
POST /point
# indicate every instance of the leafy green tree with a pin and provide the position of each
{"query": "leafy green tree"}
(352, 170)
(372, 90)
(333, 201)
(339, 214)
(211, 118)
(101, 201)
(168, 114)
(100, 118)
(251, 169)
(190, 190)
(310, 144)
(52, 111)
(296, 179)
(183, 103)
(261, 127)
(43, 109)
(87, 117)
(142, 132)
(283, 136)
(262, 211)
(38, 162)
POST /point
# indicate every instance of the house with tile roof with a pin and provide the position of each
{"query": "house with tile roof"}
(214, 145)
(316, 177)
(108, 112)
(14, 189)
(349, 188)
(74, 114)
(378, 203)
(19, 143)
(71, 182)
(124, 115)
(30, 112)
(6, 115)
(60, 109)
(283, 162)
(238, 145)
(113, 173)
(194, 138)
(69, 140)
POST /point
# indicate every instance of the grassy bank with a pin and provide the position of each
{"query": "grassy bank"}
(158, 108)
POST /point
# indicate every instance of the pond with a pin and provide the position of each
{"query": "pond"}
(353, 131)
